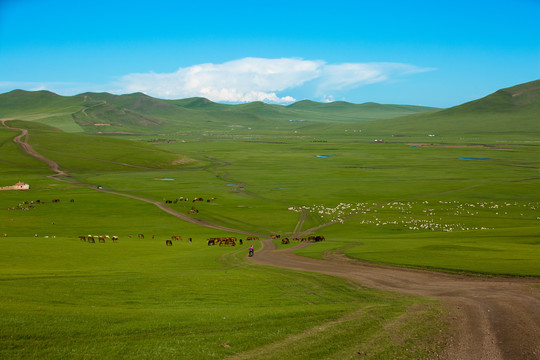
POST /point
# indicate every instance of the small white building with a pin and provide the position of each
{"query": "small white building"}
(18, 186)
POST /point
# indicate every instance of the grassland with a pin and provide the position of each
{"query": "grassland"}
(410, 200)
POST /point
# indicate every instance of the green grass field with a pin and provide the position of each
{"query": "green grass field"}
(63, 298)
(462, 201)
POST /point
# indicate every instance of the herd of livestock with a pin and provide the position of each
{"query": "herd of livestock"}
(221, 241)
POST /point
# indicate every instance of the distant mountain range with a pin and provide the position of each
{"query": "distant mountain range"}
(139, 113)
(512, 109)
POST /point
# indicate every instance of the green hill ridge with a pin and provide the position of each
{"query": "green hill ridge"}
(515, 109)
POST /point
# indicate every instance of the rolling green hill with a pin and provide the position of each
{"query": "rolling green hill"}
(104, 113)
(511, 110)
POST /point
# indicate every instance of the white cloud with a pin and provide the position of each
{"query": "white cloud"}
(243, 80)
(352, 75)
(257, 79)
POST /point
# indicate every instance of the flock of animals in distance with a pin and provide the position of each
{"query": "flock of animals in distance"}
(221, 241)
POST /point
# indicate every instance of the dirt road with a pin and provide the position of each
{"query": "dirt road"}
(22, 141)
(492, 318)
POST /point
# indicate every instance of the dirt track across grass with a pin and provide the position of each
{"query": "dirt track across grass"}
(22, 141)
(491, 318)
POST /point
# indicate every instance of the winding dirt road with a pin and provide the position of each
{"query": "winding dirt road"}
(22, 141)
(491, 318)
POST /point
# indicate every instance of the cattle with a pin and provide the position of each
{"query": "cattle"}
(168, 242)
(114, 238)
(141, 236)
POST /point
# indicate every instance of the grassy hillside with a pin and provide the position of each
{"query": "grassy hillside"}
(512, 110)
(104, 113)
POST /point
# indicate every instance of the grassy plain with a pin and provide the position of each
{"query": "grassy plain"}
(63, 298)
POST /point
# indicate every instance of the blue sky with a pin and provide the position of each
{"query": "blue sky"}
(415, 52)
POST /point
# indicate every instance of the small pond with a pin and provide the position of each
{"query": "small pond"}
(475, 159)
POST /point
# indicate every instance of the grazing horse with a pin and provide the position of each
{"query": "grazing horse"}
(101, 239)
(252, 238)
(175, 237)
(212, 241)
(82, 237)
(114, 238)
(168, 242)
(141, 236)
(285, 241)
(4, 235)
(90, 239)
(227, 241)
